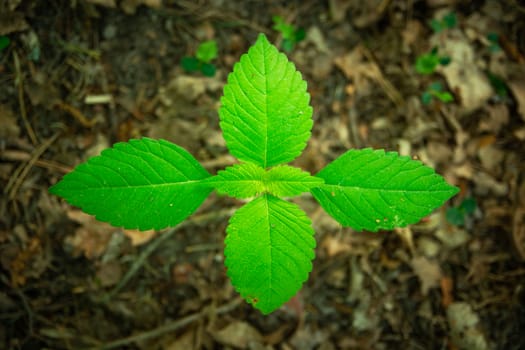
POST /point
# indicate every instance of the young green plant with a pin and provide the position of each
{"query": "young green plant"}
(428, 62)
(4, 42)
(493, 39)
(458, 214)
(206, 52)
(448, 21)
(435, 90)
(291, 34)
(266, 121)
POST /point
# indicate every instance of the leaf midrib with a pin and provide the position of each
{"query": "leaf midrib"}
(266, 105)
(168, 184)
(363, 188)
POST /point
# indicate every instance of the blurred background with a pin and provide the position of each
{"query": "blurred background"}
(442, 81)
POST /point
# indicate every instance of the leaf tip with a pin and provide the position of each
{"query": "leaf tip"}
(261, 38)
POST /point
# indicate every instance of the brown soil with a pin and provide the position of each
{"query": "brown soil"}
(81, 75)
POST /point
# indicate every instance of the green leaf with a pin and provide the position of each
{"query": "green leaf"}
(493, 38)
(286, 30)
(455, 216)
(207, 51)
(427, 63)
(269, 249)
(436, 25)
(498, 84)
(435, 86)
(208, 69)
(450, 20)
(444, 96)
(248, 180)
(370, 189)
(190, 64)
(4, 42)
(447, 22)
(300, 34)
(285, 180)
(468, 205)
(426, 98)
(140, 184)
(240, 180)
(287, 45)
(436, 90)
(265, 112)
(445, 60)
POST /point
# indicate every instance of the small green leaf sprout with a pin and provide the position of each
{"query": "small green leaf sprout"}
(4, 42)
(458, 214)
(493, 39)
(448, 21)
(428, 62)
(291, 34)
(435, 90)
(499, 85)
(206, 52)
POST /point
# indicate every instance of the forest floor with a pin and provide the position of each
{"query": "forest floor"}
(78, 76)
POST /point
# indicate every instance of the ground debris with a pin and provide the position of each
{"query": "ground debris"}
(76, 77)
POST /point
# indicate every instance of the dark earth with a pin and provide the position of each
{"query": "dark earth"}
(77, 76)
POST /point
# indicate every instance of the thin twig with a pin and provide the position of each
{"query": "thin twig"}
(77, 114)
(19, 81)
(22, 156)
(451, 119)
(387, 86)
(27, 309)
(139, 262)
(170, 326)
(21, 172)
(354, 127)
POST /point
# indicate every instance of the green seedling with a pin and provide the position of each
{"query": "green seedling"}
(428, 62)
(448, 21)
(266, 120)
(291, 34)
(493, 39)
(457, 215)
(206, 52)
(499, 85)
(4, 42)
(435, 90)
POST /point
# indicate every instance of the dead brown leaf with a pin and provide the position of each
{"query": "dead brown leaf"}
(518, 90)
(463, 75)
(183, 342)
(335, 245)
(447, 285)
(21, 266)
(105, 3)
(130, 6)
(109, 273)
(11, 22)
(338, 9)
(428, 272)
(491, 158)
(238, 334)
(452, 236)
(10, 128)
(464, 328)
(411, 34)
(357, 66)
(91, 238)
(497, 118)
(486, 184)
(518, 232)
